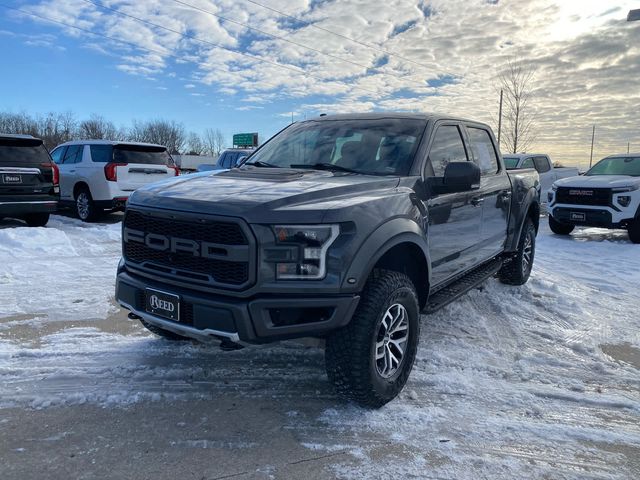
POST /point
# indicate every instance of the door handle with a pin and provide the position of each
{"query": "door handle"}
(476, 202)
(72, 171)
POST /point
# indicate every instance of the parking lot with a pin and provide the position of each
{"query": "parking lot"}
(540, 381)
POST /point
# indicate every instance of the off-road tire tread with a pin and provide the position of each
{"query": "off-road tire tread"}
(348, 349)
(511, 271)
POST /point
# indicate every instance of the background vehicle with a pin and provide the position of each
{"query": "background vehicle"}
(607, 196)
(227, 159)
(344, 227)
(99, 175)
(28, 180)
(543, 165)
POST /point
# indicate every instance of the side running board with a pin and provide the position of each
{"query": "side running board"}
(461, 286)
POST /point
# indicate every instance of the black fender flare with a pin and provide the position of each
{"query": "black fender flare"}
(517, 221)
(379, 242)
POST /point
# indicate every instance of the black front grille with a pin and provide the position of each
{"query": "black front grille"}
(584, 196)
(185, 264)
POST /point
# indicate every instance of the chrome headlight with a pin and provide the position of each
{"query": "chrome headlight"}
(301, 252)
(630, 188)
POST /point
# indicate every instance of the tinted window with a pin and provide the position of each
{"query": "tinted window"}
(383, 146)
(617, 166)
(56, 155)
(224, 160)
(542, 164)
(144, 154)
(528, 163)
(511, 162)
(101, 153)
(484, 153)
(73, 154)
(447, 147)
(22, 152)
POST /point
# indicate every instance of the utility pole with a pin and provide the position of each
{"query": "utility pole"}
(291, 117)
(500, 120)
(593, 135)
(628, 147)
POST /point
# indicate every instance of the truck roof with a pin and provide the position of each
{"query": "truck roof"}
(400, 115)
(522, 155)
(110, 142)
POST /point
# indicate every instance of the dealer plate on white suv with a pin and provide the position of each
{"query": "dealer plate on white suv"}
(162, 304)
(578, 216)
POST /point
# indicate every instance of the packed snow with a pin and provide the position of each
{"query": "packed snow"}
(510, 382)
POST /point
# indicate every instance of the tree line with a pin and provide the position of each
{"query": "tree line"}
(56, 128)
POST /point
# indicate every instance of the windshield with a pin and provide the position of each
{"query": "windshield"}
(377, 147)
(147, 155)
(22, 152)
(511, 163)
(617, 166)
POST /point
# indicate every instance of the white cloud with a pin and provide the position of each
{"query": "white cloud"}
(587, 57)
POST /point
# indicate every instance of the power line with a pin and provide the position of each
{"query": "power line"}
(292, 42)
(359, 42)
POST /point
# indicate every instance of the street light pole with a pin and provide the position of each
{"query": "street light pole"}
(593, 135)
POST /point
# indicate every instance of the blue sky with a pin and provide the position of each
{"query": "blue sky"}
(354, 55)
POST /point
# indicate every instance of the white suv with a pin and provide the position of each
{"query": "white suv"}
(608, 196)
(99, 175)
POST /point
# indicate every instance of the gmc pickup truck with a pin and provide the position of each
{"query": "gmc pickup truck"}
(607, 196)
(344, 228)
(543, 165)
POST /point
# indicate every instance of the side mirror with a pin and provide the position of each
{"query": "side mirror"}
(239, 161)
(458, 177)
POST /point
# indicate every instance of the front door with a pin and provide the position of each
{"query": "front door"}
(453, 219)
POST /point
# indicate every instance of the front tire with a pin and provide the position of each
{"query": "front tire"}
(634, 231)
(37, 219)
(560, 228)
(369, 360)
(85, 206)
(517, 270)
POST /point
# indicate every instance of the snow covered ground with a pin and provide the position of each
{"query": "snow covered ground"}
(541, 381)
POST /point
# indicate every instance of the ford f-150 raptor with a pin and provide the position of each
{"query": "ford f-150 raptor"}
(345, 228)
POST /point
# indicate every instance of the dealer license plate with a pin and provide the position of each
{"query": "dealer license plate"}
(162, 304)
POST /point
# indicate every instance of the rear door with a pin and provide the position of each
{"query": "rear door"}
(454, 222)
(494, 194)
(138, 165)
(25, 167)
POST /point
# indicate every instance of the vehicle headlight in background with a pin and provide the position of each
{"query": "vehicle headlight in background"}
(554, 187)
(631, 188)
(306, 258)
(624, 200)
(549, 196)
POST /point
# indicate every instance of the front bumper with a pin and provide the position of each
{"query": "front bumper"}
(260, 319)
(23, 206)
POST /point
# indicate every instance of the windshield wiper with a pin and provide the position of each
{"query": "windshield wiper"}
(260, 163)
(324, 166)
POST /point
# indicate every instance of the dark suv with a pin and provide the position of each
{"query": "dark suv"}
(343, 228)
(29, 188)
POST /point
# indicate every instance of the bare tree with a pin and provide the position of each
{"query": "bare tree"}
(98, 128)
(18, 123)
(213, 141)
(195, 145)
(163, 132)
(56, 128)
(518, 117)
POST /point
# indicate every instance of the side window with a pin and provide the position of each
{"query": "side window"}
(542, 164)
(57, 155)
(101, 153)
(528, 163)
(73, 154)
(447, 147)
(222, 161)
(484, 153)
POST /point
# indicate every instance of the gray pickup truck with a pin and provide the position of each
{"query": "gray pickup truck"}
(344, 228)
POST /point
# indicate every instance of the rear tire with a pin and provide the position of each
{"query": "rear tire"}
(166, 334)
(369, 360)
(634, 231)
(37, 219)
(560, 228)
(85, 206)
(517, 270)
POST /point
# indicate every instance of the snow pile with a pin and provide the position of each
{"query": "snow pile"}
(64, 271)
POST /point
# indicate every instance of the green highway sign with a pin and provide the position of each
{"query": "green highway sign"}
(245, 140)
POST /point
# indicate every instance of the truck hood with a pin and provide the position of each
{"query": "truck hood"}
(262, 195)
(599, 181)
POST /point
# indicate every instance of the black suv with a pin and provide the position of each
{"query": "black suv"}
(29, 180)
(343, 228)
